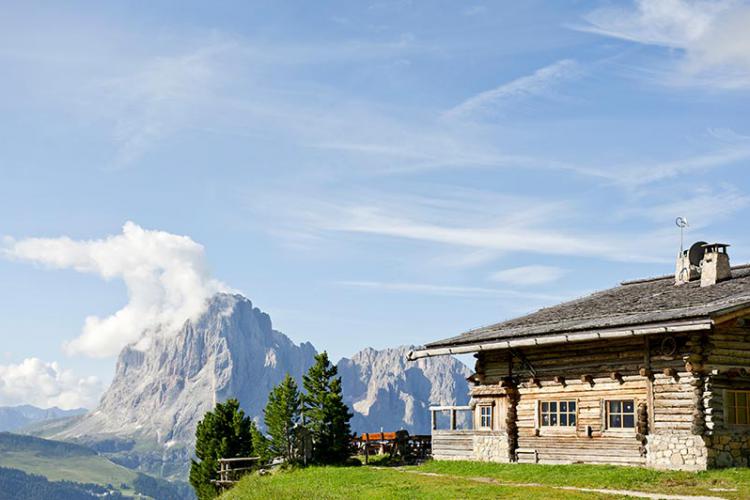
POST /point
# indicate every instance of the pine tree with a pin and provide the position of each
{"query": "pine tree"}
(224, 432)
(282, 416)
(325, 413)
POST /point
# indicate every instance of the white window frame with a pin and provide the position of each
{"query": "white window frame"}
(622, 413)
(482, 416)
(557, 427)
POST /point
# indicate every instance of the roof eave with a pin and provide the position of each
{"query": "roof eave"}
(564, 338)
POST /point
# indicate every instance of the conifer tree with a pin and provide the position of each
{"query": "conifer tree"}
(282, 416)
(224, 432)
(325, 413)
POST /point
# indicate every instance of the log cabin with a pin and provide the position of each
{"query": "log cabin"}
(654, 372)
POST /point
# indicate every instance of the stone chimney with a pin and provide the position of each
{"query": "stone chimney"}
(688, 265)
(715, 264)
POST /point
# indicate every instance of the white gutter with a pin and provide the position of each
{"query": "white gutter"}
(560, 339)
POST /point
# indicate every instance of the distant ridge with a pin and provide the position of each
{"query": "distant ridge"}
(16, 417)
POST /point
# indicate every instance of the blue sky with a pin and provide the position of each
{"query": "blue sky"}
(369, 173)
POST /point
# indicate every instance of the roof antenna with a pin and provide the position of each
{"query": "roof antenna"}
(682, 223)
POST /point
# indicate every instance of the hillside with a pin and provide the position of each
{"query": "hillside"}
(60, 461)
(18, 485)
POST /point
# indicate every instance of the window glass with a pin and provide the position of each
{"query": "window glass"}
(737, 407)
(621, 414)
(557, 413)
(485, 417)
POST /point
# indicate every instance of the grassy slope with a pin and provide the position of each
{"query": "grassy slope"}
(92, 469)
(603, 476)
(368, 482)
(60, 461)
(371, 483)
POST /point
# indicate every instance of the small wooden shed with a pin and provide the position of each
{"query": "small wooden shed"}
(654, 372)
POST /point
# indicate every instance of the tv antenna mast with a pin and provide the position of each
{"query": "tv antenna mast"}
(682, 223)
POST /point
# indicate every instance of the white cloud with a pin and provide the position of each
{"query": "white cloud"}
(157, 98)
(481, 223)
(448, 290)
(45, 385)
(712, 37)
(528, 275)
(166, 277)
(534, 84)
(703, 206)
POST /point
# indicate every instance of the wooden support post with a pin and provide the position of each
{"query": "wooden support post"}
(433, 419)
(453, 420)
(367, 447)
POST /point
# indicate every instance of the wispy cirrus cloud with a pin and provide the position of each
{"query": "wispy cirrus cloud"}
(528, 275)
(703, 206)
(536, 84)
(711, 38)
(474, 222)
(448, 290)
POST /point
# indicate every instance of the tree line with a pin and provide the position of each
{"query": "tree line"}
(302, 427)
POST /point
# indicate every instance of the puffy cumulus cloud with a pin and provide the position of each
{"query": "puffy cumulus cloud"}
(712, 36)
(166, 277)
(45, 385)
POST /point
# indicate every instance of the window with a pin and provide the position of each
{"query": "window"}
(621, 414)
(485, 417)
(558, 413)
(738, 407)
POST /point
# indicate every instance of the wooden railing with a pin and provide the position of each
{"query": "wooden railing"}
(231, 470)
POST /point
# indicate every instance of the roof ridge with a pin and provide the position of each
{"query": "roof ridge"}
(667, 276)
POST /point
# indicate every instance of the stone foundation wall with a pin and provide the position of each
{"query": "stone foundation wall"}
(677, 451)
(731, 449)
(491, 448)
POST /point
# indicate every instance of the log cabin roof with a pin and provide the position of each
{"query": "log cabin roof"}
(635, 303)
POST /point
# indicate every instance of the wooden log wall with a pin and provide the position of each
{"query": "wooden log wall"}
(649, 370)
(453, 445)
(727, 367)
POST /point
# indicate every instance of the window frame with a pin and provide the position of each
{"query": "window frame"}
(557, 427)
(731, 409)
(622, 413)
(482, 416)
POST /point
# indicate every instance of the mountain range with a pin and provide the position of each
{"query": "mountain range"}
(13, 418)
(147, 418)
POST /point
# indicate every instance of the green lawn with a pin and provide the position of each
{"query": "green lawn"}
(455, 481)
(372, 483)
(604, 476)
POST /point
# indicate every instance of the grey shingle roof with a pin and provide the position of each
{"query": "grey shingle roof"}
(632, 303)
